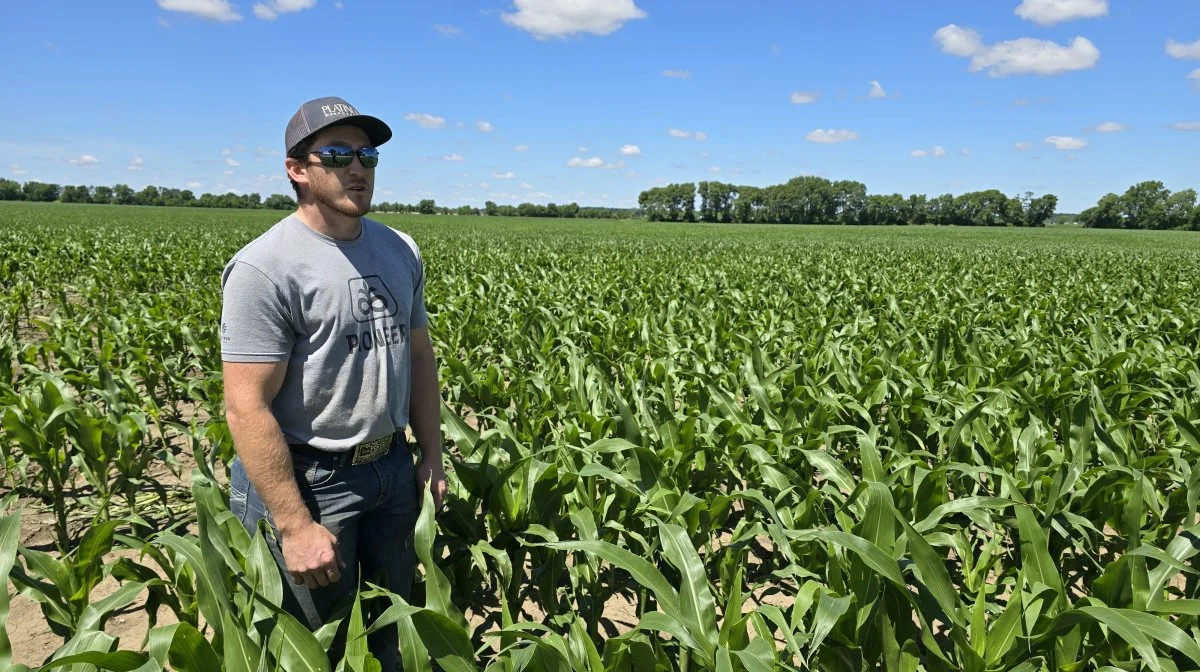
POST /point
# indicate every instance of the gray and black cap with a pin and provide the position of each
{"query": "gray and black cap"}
(331, 111)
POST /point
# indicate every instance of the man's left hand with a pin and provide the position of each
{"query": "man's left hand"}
(432, 472)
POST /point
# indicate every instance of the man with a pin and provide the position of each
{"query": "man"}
(327, 359)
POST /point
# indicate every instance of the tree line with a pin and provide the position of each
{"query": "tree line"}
(1146, 205)
(572, 210)
(816, 200)
(123, 194)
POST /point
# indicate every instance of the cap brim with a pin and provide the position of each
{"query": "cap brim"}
(377, 131)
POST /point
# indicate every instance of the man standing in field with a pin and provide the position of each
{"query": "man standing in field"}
(327, 359)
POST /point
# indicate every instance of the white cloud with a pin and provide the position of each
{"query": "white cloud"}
(593, 162)
(194, 185)
(1195, 77)
(919, 154)
(526, 185)
(229, 172)
(338, 4)
(232, 162)
(1050, 12)
(1023, 146)
(804, 97)
(163, 22)
(448, 30)
(1024, 56)
(452, 157)
(504, 176)
(938, 151)
(1109, 127)
(1066, 142)
(677, 133)
(631, 150)
(1186, 126)
(85, 160)
(558, 18)
(426, 120)
(136, 163)
(678, 74)
(17, 170)
(521, 148)
(1183, 49)
(831, 136)
(964, 151)
(484, 185)
(958, 41)
(876, 90)
(270, 10)
(715, 170)
(701, 136)
(485, 126)
(216, 10)
(582, 150)
(226, 152)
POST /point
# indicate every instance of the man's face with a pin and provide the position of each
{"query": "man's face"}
(345, 190)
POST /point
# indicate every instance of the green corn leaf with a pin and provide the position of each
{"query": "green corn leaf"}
(10, 535)
(696, 602)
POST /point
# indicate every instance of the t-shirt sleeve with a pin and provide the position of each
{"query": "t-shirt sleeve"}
(418, 317)
(255, 324)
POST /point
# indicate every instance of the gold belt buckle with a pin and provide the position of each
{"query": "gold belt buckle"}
(369, 451)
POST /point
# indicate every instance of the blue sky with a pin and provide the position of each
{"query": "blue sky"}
(594, 101)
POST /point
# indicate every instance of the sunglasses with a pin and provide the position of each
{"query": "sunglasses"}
(335, 156)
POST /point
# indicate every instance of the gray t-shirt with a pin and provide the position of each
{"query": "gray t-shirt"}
(340, 313)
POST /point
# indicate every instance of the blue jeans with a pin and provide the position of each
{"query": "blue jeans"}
(372, 510)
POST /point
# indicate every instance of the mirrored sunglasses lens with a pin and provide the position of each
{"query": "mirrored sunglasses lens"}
(336, 157)
(369, 157)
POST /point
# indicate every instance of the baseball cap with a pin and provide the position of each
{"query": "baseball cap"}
(331, 111)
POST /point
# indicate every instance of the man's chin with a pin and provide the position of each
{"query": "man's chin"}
(349, 208)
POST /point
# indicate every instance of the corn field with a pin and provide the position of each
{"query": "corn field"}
(774, 448)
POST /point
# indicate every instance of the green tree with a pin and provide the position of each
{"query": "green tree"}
(1179, 208)
(123, 195)
(1144, 205)
(102, 194)
(1039, 210)
(490, 209)
(427, 206)
(76, 194)
(40, 191)
(10, 190)
(279, 202)
(1106, 214)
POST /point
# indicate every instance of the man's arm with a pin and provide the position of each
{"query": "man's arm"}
(309, 550)
(424, 410)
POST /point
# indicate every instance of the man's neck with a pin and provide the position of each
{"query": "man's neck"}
(329, 222)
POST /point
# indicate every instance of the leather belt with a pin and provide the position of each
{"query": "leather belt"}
(364, 453)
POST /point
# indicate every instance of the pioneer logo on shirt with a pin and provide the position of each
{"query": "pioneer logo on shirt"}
(371, 299)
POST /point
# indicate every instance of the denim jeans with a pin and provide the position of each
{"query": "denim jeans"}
(372, 510)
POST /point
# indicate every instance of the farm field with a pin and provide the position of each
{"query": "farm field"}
(670, 447)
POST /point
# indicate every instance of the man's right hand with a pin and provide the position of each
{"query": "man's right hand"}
(312, 556)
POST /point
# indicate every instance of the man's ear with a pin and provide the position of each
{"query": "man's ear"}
(297, 170)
